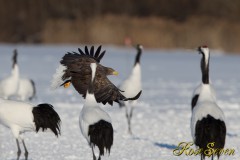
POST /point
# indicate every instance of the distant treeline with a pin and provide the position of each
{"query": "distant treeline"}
(27, 20)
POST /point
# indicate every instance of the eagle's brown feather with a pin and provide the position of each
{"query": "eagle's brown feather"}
(79, 72)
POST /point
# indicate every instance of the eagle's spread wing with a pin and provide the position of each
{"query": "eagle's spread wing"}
(78, 72)
(78, 61)
(104, 90)
(107, 92)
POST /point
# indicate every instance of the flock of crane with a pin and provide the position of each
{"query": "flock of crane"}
(89, 78)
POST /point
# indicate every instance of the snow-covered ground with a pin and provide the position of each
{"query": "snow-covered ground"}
(160, 121)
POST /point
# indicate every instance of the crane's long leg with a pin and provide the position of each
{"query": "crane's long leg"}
(19, 150)
(131, 112)
(26, 151)
(129, 116)
(94, 157)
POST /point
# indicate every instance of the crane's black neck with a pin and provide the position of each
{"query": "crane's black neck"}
(205, 69)
(14, 58)
(138, 56)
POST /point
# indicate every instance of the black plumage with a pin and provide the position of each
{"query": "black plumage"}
(139, 53)
(204, 67)
(194, 101)
(210, 130)
(14, 58)
(101, 135)
(46, 117)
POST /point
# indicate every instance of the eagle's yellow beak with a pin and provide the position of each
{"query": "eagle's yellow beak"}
(66, 85)
(115, 73)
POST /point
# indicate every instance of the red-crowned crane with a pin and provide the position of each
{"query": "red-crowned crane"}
(207, 122)
(94, 122)
(131, 86)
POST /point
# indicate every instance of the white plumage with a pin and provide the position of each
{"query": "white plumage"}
(196, 93)
(21, 117)
(131, 86)
(57, 77)
(17, 116)
(206, 105)
(26, 89)
(91, 113)
(9, 85)
(94, 122)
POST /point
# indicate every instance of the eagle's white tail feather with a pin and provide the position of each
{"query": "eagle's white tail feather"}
(57, 77)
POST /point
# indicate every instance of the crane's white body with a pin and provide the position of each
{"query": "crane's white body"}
(25, 90)
(17, 116)
(206, 105)
(21, 117)
(90, 114)
(9, 85)
(198, 90)
(132, 85)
